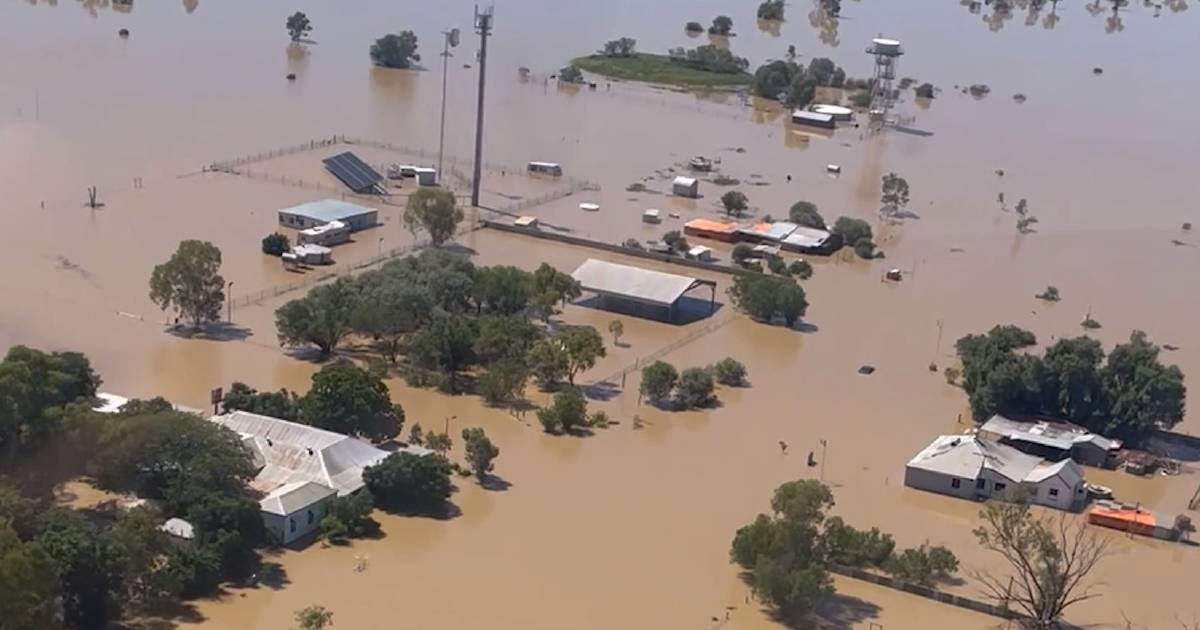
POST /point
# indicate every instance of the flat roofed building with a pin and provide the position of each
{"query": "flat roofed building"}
(686, 187)
(808, 240)
(638, 291)
(314, 213)
(707, 228)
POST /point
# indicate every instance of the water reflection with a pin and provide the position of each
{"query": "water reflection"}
(770, 27)
(1036, 11)
(826, 25)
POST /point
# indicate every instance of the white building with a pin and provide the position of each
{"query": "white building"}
(686, 187)
(301, 468)
(332, 233)
(968, 467)
(314, 213)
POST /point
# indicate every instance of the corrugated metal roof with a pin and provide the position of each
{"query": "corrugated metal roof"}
(965, 456)
(327, 210)
(1059, 435)
(295, 496)
(290, 452)
(636, 283)
(807, 237)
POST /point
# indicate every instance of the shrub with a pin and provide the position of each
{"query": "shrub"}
(925, 90)
(570, 74)
(407, 482)
(395, 50)
(777, 266)
(801, 269)
(693, 27)
(695, 389)
(805, 213)
(598, 420)
(865, 248)
(676, 241)
(730, 371)
(658, 380)
(569, 410)
(275, 244)
(1049, 295)
(922, 565)
(852, 230)
(741, 253)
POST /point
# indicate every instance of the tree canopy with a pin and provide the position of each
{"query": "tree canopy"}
(347, 399)
(721, 25)
(1127, 396)
(734, 202)
(435, 211)
(622, 47)
(567, 412)
(695, 388)
(321, 318)
(771, 10)
(658, 381)
(298, 25)
(481, 453)
(34, 388)
(766, 297)
(894, 194)
(282, 404)
(404, 482)
(190, 283)
(805, 213)
(395, 50)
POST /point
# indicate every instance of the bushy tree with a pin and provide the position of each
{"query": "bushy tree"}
(676, 241)
(1142, 393)
(800, 269)
(771, 10)
(570, 74)
(565, 413)
(275, 244)
(504, 337)
(440, 443)
(775, 77)
(347, 399)
(282, 404)
(313, 618)
(622, 47)
(35, 386)
(741, 253)
(396, 50)
(190, 283)
(298, 25)
(29, 579)
(583, 346)
(481, 453)
(549, 362)
(734, 202)
(894, 195)
(433, 210)
(445, 346)
(321, 318)
(730, 371)
(551, 287)
(503, 381)
(695, 389)
(721, 25)
(501, 289)
(349, 517)
(711, 58)
(767, 297)
(405, 482)
(852, 547)
(923, 565)
(805, 213)
(389, 309)
(852, 230)
(658, 381)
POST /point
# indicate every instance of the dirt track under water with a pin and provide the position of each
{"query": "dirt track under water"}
(627, 527)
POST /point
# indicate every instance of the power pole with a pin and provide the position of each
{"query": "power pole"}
(483, 26)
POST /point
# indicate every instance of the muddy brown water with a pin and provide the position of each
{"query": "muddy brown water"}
(626, 527)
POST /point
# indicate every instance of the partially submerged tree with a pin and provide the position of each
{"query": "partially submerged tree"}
(396, 50)
(583, 346)
(321, 318)
(734, 202)
(805, 213)
(191, 283)
(568, 411)
(1050, 294)
(676, 241)
(695, 389)
(1050, 561)
(730, 371)
(347, 399)
(435, 211)
(766, 297)
(275, 244)
(313, 617)
(658, 381)
(481, 453)
(298, 25)
(616, 328)
(894, 194)
(570, 74)
(405, 482)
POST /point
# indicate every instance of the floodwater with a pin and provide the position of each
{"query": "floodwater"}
(627, 527)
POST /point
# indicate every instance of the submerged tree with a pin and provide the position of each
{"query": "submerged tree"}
(190, 283)
(435, 211)
(313, 618)
(395, 50)
(894, 194)
(298, 25)
(734, 202)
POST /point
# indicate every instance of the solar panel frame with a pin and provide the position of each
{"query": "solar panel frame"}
(353, 172)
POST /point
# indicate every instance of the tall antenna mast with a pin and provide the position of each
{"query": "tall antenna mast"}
(483, 26)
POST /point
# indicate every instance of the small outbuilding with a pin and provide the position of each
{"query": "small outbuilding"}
(686, 187)
(1054, 441)
(332, 233)
(813, 119)
(700, 253)
(294, 510)
(638, 291)
(529, 222)
(837, 111)
(425, 176)
(652, 216)
(545, 168)
(312, 254)
(314, 213)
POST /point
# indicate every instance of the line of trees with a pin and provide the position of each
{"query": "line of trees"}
(787, 554)
(621, 47)
(1126, 394)
(694, 388)
(709, 58)
(795, 84)
(436, 315)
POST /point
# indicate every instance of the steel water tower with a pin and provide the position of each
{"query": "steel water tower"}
(887, 57)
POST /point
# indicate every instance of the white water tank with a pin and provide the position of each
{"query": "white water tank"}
(886, 46)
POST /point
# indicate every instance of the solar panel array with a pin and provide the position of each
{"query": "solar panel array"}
(353, 172)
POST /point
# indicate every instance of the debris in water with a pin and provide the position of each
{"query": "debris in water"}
(999, 172)
(1019, 98)
(979, 90)
(957, 250)
(1097, 70)
(124, 33)
(739, 150)
(1178, 243)
(866, 369)
(1187, 227)
(291, 76)
(1170, 348)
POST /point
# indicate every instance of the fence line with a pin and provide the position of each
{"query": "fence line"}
(1002, 612)
(710, 326)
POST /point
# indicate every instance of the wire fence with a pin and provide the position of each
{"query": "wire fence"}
(708, 327)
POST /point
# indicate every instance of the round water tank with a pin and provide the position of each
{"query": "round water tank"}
(837, 111)
(886, 46)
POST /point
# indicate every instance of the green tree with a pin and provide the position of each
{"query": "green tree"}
(35, 386)
(550, 287)
(695, 388)
(805, 213)
(91, 579)
(801, 92)
(923, 565)
(446, 346)
(405, 482)
(852, 547)
(1142, 393)
(395, 50)
(503, 381)
(275, 244)
(1049, 561)
(190, 283)
(570, 74)
(767, 297)
(800, 269)
(321, 318)
(565, 413)
(721, 25)
(741, 253)
(298, 25)
(1050, 294)
(29, 579)
(313, 618)
(504, 337)
(389, 310)
(623, 47)
(347, 399)
(775, 77)
(440, 443)
(771, 10)
(676, 241)
(820, 70)
(730, 371)
(616, 328)
(734, 202)
(481, 453)
(852, 230)
(658, 381)
(282, 404)
(353, 513)
(435, 211)
(583, 346)
(549, 361)
(894, 195)
(501, 289)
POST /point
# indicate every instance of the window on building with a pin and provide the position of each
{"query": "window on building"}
(1053, 492)
(979, 484)
(292, 523)
(310, 517)
(955, 483)
(999, 487)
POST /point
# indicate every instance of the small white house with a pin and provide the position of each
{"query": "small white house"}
(701, 253)
(295, 510)
(652, 216)
(425, 176)
(969, 467)
(686, 187)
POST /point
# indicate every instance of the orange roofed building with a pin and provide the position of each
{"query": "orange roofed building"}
(707, 228)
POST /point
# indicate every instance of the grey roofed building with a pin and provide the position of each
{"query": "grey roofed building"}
(633, 286)
(315, 213)
(293, 497)
(812, 241)
(1053, 440)
(969, 467)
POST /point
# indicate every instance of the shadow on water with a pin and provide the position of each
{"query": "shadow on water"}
(601, 391)
(219, 331)
(844, 611)
(688, 310)
(445, 512)
(494, 483)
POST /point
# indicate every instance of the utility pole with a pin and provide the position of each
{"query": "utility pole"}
(823, 445)
(229, 293)
(483, 26)
(451, 40)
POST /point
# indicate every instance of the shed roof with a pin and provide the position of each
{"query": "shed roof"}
(685, 181)
(293, 497)
(327, 210)
(636, 283)
(807, 237)
(965, 456)
(708, 225)
(1058, 435)
(776, 231)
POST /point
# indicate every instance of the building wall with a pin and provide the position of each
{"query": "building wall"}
(931, 481)
(287, 529)
(1067, 497)
(1090, 455)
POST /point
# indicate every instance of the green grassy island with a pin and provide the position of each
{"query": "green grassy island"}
(651, 68)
